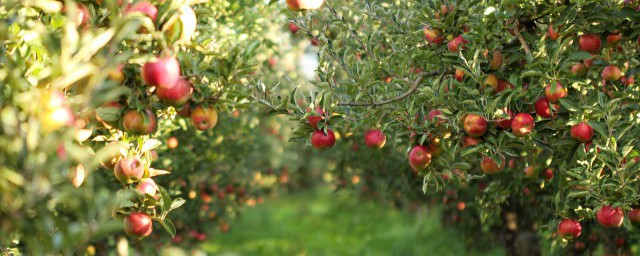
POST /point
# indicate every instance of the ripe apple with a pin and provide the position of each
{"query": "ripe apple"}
(553, 34)
(491, 80)
(469, 141)
(569, 229)
(162, 72)
(204, 118)
(457, 44)
(548, 174)
(459, 75)
(579, 69)
(138, 224)
(610, 217)
(490, 166)
(432, 35)
(438, 115)
(185, 111)
(129, 170)
(304, 5)
(147, 186)
(55, 112)
(139, 123)
(503, 85)
(143, 7)
(614, 37)
(177, 95)
(321, 141)
(497, 60)
(475, 125)
(589, 62)
(182, 29)
(419, 157)
(461, 206)
(555, 93)
(172, 142)
(582, 132)
(314, 120)
(293, 28)
(628, 81)
(117, 74)
(375, 138)
(589, 43)
(634, 215)
(505, 123)
(543, 108)
(611, 73)
(522, 124)
(531, 171)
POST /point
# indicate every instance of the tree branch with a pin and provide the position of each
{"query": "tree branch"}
(523, 42)
(412, 89)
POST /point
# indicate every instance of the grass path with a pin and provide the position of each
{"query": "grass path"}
(321, 223)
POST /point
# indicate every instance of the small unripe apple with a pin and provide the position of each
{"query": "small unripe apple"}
(610, 217)
(475, 125)
(611, 73)
(505, 123)
(582, 132)
(304, 5)
(457, 44)
(204, 118)
(569, 229)
(419, 157)
(144, 7)
(459, 75)
(162, 72)
(589, 43)
(147, 186)
(375, 138)
(555, 93)
(138, 225)
(432, 35)
(129, 170)
(321, 141)
(634, 215)
(177, 95)
(543, 108)
(553, 34)
(117, 74)
(490, 166)
(522, 124)
(139, 123)
(172, 142)
(579, 69)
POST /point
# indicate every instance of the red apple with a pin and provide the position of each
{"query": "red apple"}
(436, 114)
(469, 141)
(531, 172)
(505, 123)
(204, 118)
(569, 229)
(144, 7)
(139, 123)
(589, 43)
(185, 111)
(543, 108)
(176, 96)
(548, 174)
(610, 217)
(497, 60)
(582, 132)
(320, 140)
(491, 80)
(589, 62)
(611, 73)
(503, 85)
(475, 125)
(163, 72)
(490, 166)
(375, 138)
(614, 37)
(522, 124)
(555, 93)
(147, 186)
(553, 34)
(314, 120)
(634, 215)
(459, 75)
(293, 28)
(304, 5)
(419, 157)
(433, 35)
(138, 224)
(579, 69)
(129, 170)
(457, 44)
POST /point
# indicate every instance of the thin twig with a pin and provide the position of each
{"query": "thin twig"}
(523, 42)
(412, 89)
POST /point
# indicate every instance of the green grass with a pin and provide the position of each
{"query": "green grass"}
(322, 223)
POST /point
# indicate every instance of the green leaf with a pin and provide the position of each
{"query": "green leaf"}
(177, 203)
(167, 224)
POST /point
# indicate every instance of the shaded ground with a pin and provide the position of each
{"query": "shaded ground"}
(321, 223)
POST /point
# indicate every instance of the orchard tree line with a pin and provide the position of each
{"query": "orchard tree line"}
(518, 119)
